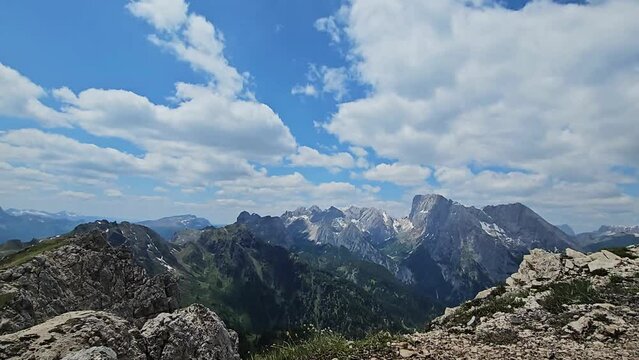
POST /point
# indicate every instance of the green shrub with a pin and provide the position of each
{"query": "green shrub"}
(622, 252)
(29, 253)
(506, 303)
(579, 291)
(499, 337)
(327, 345)
(600, 272)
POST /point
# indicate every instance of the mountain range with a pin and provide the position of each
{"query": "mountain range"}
(442, 248)
(25, 225)
(168, 226)
(29, 224)
(265, 275)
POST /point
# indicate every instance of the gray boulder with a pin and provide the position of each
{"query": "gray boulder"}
(71, 332)
(93, 353)
(194, 332)
(82, 272)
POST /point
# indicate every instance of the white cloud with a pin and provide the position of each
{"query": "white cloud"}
(451, 87)
(20, 97)
(310, 157)
(401, 174)
(60, 155)
(334, 81)
(329, 25)
(113, 193)
(208, 133)
(371, 188)
(308, 90)
(202, 117)
(551, 90)
(162, 14)
(192, 39)
(272, 195)
(77, 194)
(358, 151)
(326, 80)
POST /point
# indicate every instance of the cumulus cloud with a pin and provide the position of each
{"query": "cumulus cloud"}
(274, 194)
(77, 194)
(191, 38)
(162, 14)
(20, 97)
(202, 117)
(550, 90)
(210, 132)
(458, 84)
(307, 90)
(113, 193)
(358, 151)
(401, 174)
(202, 47)
(329, 25)
(310, 157)
(325, 80)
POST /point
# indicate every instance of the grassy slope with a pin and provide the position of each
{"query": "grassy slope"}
(263, 291)
(30, 252)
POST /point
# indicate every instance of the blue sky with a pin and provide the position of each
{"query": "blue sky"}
(141, 109)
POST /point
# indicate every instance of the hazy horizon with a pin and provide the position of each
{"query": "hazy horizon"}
(149, 108)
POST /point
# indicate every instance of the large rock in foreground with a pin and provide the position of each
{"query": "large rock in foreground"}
(82, 272)
(74, 332)
(194, 332)
(556, 306)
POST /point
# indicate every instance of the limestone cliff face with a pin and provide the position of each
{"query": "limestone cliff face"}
(194, 332)
(468, 248)
(359, 230)
(564, 305)
(82, 272)
(82, 296)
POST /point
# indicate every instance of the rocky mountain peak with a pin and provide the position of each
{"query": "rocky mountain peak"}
(245, 216)
(613, 229)
(567, 229)
(314, 209)
(426, 206)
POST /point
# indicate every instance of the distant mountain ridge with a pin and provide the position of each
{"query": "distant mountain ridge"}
(442, 247)
(60, 215)
(608, 236)
(264, 289)
(168, 226)
(267, 274)
(29, 224)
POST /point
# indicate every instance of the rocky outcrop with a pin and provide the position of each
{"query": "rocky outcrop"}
(149, 249)
(80, 272)
(455, 250)
(358, 230)
(556, 306)
(72, 332)
(93, 353)
(190, 333)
